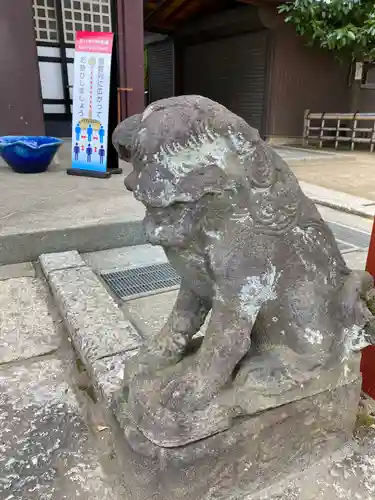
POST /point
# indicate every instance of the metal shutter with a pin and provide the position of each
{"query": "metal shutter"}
(160, 59)
(231, 71)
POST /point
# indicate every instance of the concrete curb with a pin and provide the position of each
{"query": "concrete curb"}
(102, 336)
(339, 201)
(311, 154)
(342, 208)
(24, 247)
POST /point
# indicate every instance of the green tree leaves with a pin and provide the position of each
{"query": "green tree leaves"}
(344, 26)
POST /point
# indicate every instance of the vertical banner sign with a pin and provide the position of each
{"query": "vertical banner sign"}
(92, 73)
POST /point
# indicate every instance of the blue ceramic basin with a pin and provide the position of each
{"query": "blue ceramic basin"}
(29, 154)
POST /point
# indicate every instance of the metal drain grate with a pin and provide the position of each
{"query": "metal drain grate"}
(141, 280)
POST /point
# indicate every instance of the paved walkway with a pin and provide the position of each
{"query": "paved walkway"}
(46, 449)
(53, 212)
(351, 173)
(56, 442)
(55, 200)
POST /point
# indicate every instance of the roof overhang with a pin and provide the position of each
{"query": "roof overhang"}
(168, 15)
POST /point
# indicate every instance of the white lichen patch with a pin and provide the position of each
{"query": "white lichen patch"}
(199, 152)
(256, 291)
(147, 112)
(308, 236)
(218, 295)
(216, 235)
(239, 217)
(354, 340)
(313, 336)
(245, 149)
(158, 230)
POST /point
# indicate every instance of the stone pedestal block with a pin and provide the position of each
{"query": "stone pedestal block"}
(253, 454)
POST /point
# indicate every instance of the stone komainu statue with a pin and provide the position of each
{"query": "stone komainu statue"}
(253, 251)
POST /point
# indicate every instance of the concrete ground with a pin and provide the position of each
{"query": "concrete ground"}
(55, 200)
(53, 212)
(57, 441)
(348, 474)
(352, 173)
(54, 443)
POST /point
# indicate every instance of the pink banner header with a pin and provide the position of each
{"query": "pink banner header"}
(100, 43)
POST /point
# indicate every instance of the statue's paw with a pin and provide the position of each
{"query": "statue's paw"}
(162, 352)
(143, 363)
(274, 372)
(133, 366)
(147, 362)
(176, 390)
(186, 391)
(168, 415)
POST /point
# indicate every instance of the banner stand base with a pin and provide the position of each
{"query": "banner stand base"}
(115, 171)
(89, 173)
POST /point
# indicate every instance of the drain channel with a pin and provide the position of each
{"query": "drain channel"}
(131, 283)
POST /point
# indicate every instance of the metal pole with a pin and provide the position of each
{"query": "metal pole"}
(368, 354)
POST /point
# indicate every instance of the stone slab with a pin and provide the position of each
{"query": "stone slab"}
(63, 260)
(108, 375)
(95, 323)
(27, 203)
(88, 214)
(45, 451)
(26, 327)
(289, 153)
(125, 257)
(255, 452)
(346, 475)
(27, 245)
(356, 260)
(355, 222)
(22, 270)
(149, 314)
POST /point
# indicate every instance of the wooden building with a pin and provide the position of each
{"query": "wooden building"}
(242, 54)
(238, 52)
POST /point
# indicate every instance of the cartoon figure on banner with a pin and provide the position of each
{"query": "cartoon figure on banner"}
(101, 134)
(101, 154)
(76, 151)
(78, 132)
(89, 132)
(89, 153)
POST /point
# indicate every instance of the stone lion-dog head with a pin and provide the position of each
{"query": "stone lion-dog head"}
(187, 150)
